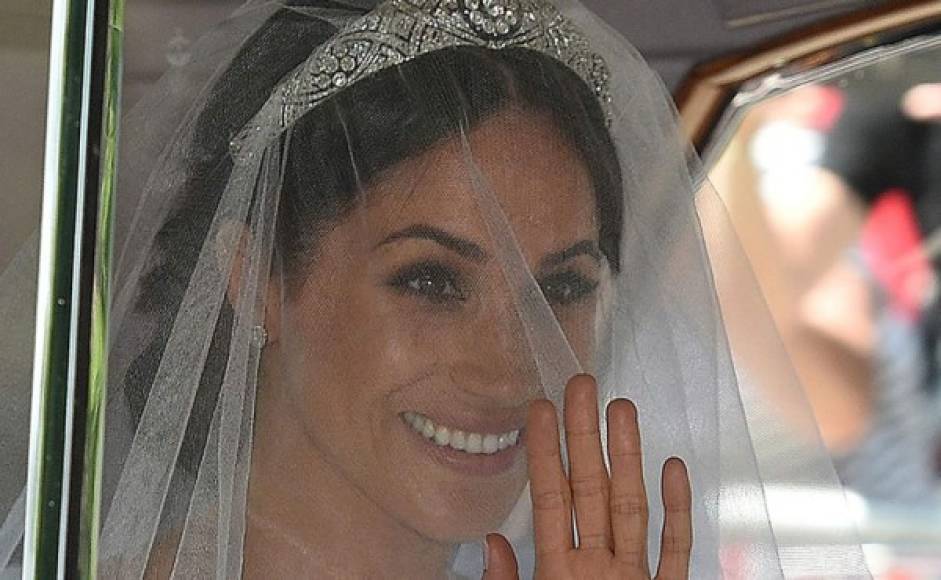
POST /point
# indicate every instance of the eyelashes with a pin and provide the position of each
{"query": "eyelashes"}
(567, 287)
(440, 284)
(431, 281)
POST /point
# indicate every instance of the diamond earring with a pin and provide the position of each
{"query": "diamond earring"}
(259, 336)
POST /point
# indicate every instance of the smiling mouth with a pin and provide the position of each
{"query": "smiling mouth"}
(465, 441)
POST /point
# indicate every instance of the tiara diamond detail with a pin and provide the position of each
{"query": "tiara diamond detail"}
(397, 31)
(492, 19)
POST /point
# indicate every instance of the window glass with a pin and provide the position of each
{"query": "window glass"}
(833, 182)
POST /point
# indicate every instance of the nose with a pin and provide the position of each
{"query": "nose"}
(495, 361)
(514, 350)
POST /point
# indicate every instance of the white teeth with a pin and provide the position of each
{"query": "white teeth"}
(442, 435)
(459, 440)
(473, 443)
(428, 430)
(491, 444)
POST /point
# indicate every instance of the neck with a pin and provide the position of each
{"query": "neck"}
(303, 514)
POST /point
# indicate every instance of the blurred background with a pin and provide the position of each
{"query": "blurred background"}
(833, 183)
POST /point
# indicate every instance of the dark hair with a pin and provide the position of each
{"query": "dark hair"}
(373, 124)
(382, 121)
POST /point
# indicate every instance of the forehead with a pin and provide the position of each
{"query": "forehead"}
(519, 160)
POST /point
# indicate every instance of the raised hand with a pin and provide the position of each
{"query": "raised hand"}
(610, 510)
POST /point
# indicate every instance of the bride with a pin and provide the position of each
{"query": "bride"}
(371, 244)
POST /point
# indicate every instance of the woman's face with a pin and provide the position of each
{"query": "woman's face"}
(404, 351)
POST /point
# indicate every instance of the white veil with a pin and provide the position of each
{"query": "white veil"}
(342, 222)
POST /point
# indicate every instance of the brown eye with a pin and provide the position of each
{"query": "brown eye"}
(566, 287)
(429, 280)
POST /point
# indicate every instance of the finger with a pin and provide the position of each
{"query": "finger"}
(500, 561)
(677, 539)
(552, 500)
(588, 475)
(629, 510)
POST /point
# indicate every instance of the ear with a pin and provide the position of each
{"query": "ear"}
(237, 235)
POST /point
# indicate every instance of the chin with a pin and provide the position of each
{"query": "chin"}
(464, 517)
(455, 508)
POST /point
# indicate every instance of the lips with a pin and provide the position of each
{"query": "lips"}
(469, 442)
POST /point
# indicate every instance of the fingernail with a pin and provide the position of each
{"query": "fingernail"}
(486, 553)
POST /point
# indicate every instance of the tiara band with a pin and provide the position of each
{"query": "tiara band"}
(398, 31)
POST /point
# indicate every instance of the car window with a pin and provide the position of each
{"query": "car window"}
(832, 179)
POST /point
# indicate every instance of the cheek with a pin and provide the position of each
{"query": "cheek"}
(355, 349)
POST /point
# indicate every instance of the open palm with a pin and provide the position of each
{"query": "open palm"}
(610, 510)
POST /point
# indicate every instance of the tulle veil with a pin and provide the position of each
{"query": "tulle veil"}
(207, 258)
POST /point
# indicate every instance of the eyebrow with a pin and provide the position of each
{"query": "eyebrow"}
(581, 248)
(473, 251)
(460, 246)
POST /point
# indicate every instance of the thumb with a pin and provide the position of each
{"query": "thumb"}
(499, 559)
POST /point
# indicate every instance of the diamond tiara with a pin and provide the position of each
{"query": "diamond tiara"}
(397, 31)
